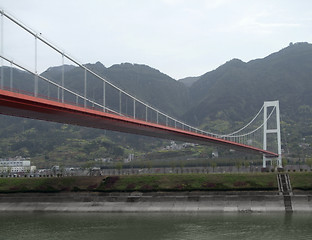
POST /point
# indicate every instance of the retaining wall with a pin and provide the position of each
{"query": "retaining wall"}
(153, 202)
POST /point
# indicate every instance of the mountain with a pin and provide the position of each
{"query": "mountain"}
(150, 85)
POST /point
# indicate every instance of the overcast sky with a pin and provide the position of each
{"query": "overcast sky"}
(180, 38)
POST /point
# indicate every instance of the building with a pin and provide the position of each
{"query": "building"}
(104, 160)
(17, 164)
(215, 154)
(130, 158)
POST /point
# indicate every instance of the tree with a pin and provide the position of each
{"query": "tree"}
(182, 166)
(149, 165)
(172, 165)
(284, 162)
(309, 162)
(213, 165)
(246, 164)
(238, 165)
(119, 166)
(274, 163)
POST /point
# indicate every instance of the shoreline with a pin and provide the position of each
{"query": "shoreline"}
(232, 201)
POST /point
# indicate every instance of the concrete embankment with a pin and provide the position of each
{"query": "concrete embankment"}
(253, 201)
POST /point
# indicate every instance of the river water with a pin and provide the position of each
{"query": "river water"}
(151, 226)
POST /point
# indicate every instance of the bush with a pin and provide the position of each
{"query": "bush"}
(109, 182)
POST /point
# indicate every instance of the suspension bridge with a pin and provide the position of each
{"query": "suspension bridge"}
(44, 97)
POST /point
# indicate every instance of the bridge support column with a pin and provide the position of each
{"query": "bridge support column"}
(276, 131)
(1, 51)
(36, 72)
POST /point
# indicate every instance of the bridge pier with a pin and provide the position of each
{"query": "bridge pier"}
(277, 131)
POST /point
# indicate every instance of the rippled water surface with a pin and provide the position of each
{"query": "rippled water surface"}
(152, 226)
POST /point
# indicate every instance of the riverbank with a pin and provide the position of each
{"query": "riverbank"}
(156, 193)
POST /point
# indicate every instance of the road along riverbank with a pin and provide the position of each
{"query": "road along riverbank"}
(199, 201)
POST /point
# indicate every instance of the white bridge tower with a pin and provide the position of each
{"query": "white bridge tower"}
(277, 131)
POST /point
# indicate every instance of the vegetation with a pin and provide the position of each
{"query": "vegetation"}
(190, 182)
(49, 144)
(301, 180)
(157, 182)
(8, 185)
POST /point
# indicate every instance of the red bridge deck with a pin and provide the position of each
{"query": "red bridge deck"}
(20, 105)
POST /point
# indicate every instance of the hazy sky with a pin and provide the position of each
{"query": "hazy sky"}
(179, 37)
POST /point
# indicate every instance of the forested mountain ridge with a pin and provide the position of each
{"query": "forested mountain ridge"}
(236, 89)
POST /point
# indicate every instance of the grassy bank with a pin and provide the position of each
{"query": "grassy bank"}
(161, 182)
(157, 182)
(301, 180)
(190, 182)
(8, 185)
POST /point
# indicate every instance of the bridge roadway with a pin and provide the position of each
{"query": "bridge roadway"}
(21, 105)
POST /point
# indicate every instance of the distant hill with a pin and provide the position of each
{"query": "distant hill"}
(188, 81)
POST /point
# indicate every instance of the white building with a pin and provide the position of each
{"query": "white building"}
(130, 158)
(15, 165)
(103, 160)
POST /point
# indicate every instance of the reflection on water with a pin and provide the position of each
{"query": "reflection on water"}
(168, 226)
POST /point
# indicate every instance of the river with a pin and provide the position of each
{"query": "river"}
(152, 226)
